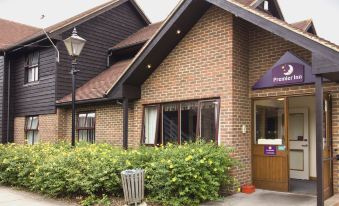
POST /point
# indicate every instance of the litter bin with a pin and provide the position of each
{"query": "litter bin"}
(133, 185)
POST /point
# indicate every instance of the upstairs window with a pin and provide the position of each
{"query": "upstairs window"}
(32, 67)
(86, 127)
(32, 130)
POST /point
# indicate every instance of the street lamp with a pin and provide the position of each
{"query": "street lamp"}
(74, 45)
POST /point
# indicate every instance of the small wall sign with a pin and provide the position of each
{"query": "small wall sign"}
(289, 73)
(281, 148)
(270, 150)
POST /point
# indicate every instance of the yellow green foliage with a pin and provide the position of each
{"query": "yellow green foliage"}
(174, 175)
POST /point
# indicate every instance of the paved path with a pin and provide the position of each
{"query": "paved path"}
(266, 198)
(269, 198)
(13, 197)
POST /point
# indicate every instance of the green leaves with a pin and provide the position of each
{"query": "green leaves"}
(175, 175)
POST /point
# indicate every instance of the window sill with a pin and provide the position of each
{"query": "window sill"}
(31, 84)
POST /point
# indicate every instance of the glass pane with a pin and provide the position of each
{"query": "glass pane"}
(296, 127)
(82, 135)
(30, 77)
(36, 137)
(269, 121)
(208, 126)
(90, 122)
(28, 122)
(36, 73)
(35, 58)
(35, 122)
(29, 136)
(82, 121)
(151, 115)
(189, 114)
(170, 123)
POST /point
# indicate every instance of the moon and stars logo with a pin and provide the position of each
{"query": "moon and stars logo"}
(288, 73)
(287, 69)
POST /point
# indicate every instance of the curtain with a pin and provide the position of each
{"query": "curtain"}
(151, 115)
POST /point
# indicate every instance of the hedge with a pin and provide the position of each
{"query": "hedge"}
(175, 175)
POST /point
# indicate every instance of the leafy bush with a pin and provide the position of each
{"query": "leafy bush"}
(175, 175)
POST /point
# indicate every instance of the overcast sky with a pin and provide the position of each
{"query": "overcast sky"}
(325, 13)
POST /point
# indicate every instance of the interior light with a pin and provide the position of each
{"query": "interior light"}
(149, 66)
(178, 31)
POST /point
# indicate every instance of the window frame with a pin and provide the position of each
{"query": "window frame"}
(159, 116)
(34, 68)
(35, 131)
(78, 129)
(160, 122)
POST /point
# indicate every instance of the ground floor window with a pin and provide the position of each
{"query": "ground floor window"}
(86, 127)
(181, 122)
(32, 129)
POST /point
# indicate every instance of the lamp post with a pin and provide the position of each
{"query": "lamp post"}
(74, 45)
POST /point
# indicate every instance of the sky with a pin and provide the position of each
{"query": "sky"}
(324, 13)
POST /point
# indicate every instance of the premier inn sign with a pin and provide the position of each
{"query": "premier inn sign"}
(289, 73)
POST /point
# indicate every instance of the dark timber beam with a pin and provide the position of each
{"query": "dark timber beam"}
(319, 93)
(125, 123)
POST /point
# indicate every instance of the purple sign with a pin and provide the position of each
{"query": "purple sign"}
(270, 150)
(289, 73)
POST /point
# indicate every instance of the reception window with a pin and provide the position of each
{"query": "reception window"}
(181, 122)
(269, 121)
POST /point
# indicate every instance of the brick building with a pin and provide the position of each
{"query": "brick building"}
(230, 71)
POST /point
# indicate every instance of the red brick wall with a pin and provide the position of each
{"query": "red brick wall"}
(109, 118)
(202, 66)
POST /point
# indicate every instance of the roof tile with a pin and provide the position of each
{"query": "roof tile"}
(140, 36)
(97, 87)
(12, 32)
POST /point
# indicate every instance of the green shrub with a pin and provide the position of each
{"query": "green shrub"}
(175, 175)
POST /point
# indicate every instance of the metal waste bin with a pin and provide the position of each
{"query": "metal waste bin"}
(133, 185)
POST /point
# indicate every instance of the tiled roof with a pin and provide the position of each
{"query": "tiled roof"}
(97, 87)
(13, 32)
(303, 25)
(140, 36)
(82, 17)
(284, 24)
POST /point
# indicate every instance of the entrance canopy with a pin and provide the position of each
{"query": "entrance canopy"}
(288, 70)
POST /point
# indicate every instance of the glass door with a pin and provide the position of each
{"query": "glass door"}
(270, 145)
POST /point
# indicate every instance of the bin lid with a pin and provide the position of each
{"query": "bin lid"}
(130, 172)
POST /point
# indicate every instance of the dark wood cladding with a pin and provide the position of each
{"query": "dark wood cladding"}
(36, 98)
(101, 33)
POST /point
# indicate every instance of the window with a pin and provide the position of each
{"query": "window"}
(150, 124)
(181, 122)
(32, 130)
(32, 67)
(86, 127)
(269, 121)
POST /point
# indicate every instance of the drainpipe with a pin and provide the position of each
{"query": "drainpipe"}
(125, 123)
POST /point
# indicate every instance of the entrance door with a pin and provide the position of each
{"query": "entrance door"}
(299, 141)
(327, 148)
(270, 148)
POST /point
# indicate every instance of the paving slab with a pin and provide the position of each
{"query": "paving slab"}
(14, 197)
(266, 198)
